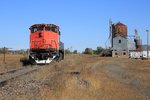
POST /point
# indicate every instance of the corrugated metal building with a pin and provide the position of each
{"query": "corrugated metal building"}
(119, 47)
(119, 40)
(131, 44)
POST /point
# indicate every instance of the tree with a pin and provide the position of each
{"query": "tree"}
(103, 52)
(67, 51)
(88, 51)
(75, 51)
(98, 51)
(106, 52)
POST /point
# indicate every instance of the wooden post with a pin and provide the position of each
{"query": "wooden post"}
(4, 52)
(147, 44)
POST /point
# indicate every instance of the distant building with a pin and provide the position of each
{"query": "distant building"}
(119, 40)
(131, 44)
(140, 53)
(120, 43)
(144, 47)
(123, 45)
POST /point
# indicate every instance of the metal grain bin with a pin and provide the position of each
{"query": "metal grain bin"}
(119, 29)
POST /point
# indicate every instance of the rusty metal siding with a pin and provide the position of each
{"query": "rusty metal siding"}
(119, 29)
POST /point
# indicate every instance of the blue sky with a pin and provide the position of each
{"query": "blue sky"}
(83, 23)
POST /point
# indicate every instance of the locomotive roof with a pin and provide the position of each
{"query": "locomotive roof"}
(36, 25)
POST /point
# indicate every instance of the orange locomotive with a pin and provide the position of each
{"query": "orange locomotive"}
(45, 44)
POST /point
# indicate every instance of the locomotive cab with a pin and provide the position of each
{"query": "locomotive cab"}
(45, 45)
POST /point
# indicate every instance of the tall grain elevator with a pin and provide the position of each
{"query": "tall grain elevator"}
(118, 33)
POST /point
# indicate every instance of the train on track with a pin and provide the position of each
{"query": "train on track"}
(45, 44)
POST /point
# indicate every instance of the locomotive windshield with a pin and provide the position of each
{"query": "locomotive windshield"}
(51, 28)
(35, 29)
(43, 27)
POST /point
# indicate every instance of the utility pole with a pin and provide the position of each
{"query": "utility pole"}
(4, 52)
(110, 32)
(147, 44)
(71, 50)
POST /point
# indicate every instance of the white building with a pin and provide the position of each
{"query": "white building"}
(140, 54)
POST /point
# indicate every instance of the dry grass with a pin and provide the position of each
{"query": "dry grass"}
(55, 82)
(12, 62)
(88, 85)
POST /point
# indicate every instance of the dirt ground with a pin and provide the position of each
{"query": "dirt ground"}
(83, 77)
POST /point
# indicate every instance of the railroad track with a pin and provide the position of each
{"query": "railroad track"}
(5, 76)
(11, 74)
